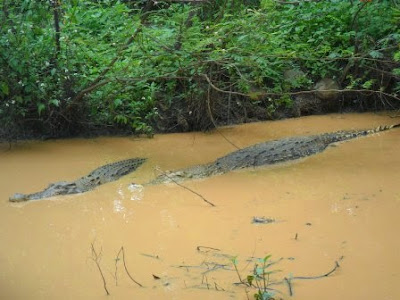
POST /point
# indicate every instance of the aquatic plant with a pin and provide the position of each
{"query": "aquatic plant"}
(259, 278)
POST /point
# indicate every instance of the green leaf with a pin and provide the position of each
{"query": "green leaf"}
(266, 258)
(41, 107)
(4, 88)
(121, 119)
(117, 102)
(396, 56)
(55, 102)
(234, 260)
(368, 84)
(250, 279)
(375, 54)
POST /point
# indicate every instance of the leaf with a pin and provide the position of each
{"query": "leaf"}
(266, 258)
(41, 107)
(375, 54)
(250, 279)
(4, 88)
(118, 102)
(234, 260)
(396, 56)
(55, 102)
(121, 119)
(368, 84)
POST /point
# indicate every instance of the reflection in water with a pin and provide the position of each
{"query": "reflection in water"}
(137, 191)
(342, 203)
(118, 207)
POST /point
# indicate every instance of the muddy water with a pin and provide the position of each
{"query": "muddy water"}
(341, 205)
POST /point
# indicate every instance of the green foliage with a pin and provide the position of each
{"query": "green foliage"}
(259, 278)
(173, 50)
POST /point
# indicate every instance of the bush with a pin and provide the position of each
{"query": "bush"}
(175, 66)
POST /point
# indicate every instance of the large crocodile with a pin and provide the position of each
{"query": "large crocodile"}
(267, 153)
(101, 175)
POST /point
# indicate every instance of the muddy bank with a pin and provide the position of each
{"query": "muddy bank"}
(202, 116)
(339, 205)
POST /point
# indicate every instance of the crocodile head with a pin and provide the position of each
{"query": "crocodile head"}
(54, 189)
(19, 197)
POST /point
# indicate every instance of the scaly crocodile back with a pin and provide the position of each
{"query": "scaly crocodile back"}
(286, 149)
(108, 173)
(347, 135)
(269, 153)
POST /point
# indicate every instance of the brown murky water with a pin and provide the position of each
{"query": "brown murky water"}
(341, 205)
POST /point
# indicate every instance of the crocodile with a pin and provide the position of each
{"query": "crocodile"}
(267, 153)
(99, 176)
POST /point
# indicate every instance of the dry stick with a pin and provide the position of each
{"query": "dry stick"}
(96, 259)
(116, 271)
(126, 269)
(302, 92)
(218, 289)
(289, 286)
(208, 287)
(238, 274)
(190, 190)
(150, 255)
(247, 294)
(289, 280)
(206, 247)
(319, 276)
(213, 121)
(214, 268)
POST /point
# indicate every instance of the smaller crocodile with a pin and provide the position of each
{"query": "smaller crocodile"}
(99, 176)
(267, 153)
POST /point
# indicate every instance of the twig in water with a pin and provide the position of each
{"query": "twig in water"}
(211, 248)
(237, 271)
(217, 287)
(319, 276)
(247, 294)
(202, 281)
(150, 255)
(126, 269)
(190, 190)
(96, 258)
(215, 267)
(289, 286)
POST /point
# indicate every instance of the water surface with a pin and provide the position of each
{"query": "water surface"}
(341, 205)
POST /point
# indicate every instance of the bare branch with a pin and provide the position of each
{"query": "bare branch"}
(96, 258)
(126, 268)
(190, 190)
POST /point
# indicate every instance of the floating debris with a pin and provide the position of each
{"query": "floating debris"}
(262, 220)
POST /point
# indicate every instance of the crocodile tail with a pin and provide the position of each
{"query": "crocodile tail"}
(347, 135)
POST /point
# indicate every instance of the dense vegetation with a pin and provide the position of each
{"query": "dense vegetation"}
(75, 67)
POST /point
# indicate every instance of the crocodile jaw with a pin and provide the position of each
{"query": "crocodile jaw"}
(18, 197)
